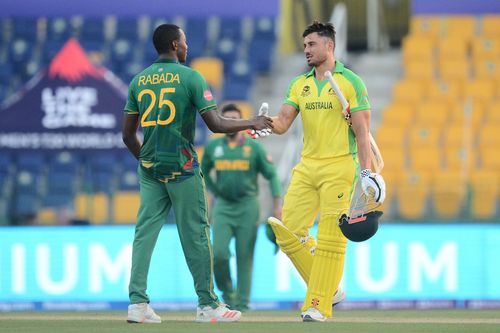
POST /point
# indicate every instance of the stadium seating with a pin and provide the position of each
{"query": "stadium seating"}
(413, 193)
(484, 193)
(448, 193)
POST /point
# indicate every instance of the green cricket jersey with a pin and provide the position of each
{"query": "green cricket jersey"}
(167, 95)
(237, 168)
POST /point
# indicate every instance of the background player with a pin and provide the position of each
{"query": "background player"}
(164, 99)
(237, 162)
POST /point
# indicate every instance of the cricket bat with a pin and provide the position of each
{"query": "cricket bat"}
(376, 156)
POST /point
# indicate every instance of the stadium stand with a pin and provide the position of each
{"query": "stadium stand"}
(90, 187)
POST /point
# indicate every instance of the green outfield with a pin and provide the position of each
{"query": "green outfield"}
(386, 321)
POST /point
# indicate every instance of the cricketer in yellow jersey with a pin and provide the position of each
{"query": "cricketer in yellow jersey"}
(333, 157)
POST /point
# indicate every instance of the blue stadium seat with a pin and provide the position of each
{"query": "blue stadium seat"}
(92, 29)
(64, 162)
(25, 28)
(102, 162)
(121, 54)
(6, 162)
(227, 51)
(50, 50)
(127, 28)
(61, 183)
(235, 89)
(30, 161)
(27, 183)
(128, 181)
(58, 29)
(264, 28)
(197, 36)
(92, 45)
(260, 53)
(25, 205)
(230, 27)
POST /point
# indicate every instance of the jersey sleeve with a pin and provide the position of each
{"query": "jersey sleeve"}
(207, 164)
(131, 105)
(201, 95)
(291, 95)
(268, 170)
(358, 97)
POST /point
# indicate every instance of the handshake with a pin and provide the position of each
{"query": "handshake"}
(256, 134)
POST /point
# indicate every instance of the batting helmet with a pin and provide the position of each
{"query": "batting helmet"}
(361, 228)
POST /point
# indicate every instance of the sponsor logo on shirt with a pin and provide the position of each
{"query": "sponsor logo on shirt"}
(208, 95)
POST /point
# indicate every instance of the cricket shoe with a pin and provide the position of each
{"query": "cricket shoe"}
(312, 315)
(142, 313)
(338, 297)
(221, 314)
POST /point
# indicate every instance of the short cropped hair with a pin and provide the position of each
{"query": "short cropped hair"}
(230, 107)
(322, 29)
(163, 37)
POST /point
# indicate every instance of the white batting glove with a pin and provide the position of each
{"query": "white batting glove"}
(256, 134)
(373, 185)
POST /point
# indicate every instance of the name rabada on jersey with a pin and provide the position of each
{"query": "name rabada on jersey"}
(158, 78)
(318, 105)
(241, 165)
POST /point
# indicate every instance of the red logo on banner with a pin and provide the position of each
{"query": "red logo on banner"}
(208, 95)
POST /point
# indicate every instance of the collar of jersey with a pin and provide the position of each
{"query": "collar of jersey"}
(240, 142)
(339, 68)
(170, 61)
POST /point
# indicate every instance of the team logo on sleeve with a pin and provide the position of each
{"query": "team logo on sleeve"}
(207, 94)
(305, 91)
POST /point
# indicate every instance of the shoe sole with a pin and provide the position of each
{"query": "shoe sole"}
(309, 319)
(130, 321)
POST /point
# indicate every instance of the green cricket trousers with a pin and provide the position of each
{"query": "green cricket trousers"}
(187, 198)
(238, 220)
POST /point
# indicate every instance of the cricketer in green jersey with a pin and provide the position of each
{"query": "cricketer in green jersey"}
(164, 99)
(237, 161)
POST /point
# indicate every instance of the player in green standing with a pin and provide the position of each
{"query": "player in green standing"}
(237, 161)
(164, 99)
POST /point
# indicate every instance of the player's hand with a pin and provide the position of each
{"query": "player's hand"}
(259, 132)
(373, 185)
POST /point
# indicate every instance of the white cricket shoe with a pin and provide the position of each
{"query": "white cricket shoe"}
(312, 315)
(220, 314)
(338, 297)
(142, 313)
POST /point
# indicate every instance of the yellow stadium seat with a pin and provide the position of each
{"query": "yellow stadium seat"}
(448, 191)
(490, 159)
(484, 193)
(426, 159)
(452, 49)
(418, 48)
(451, 70)
(489, 136)
(459, 158)
(395, 159)
(485, 48)
(455, 136)
(409, 91)
(391, 137)
(125, 207)
(435, 112)
(492, 115)
(468, 113)
(487, 69)
(420, 70)
(424, 25)
(490, 26)
(92, 207)
(397, 114)
(481, 90)
(447, 91)
(211, 68)
(458, 26)
(412, 194)
(47, 216)
(424, 136)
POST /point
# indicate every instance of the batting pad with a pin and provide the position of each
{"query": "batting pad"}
(298, 252)
(327, 266)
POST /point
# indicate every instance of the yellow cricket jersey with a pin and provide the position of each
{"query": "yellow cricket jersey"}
(326, 133)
